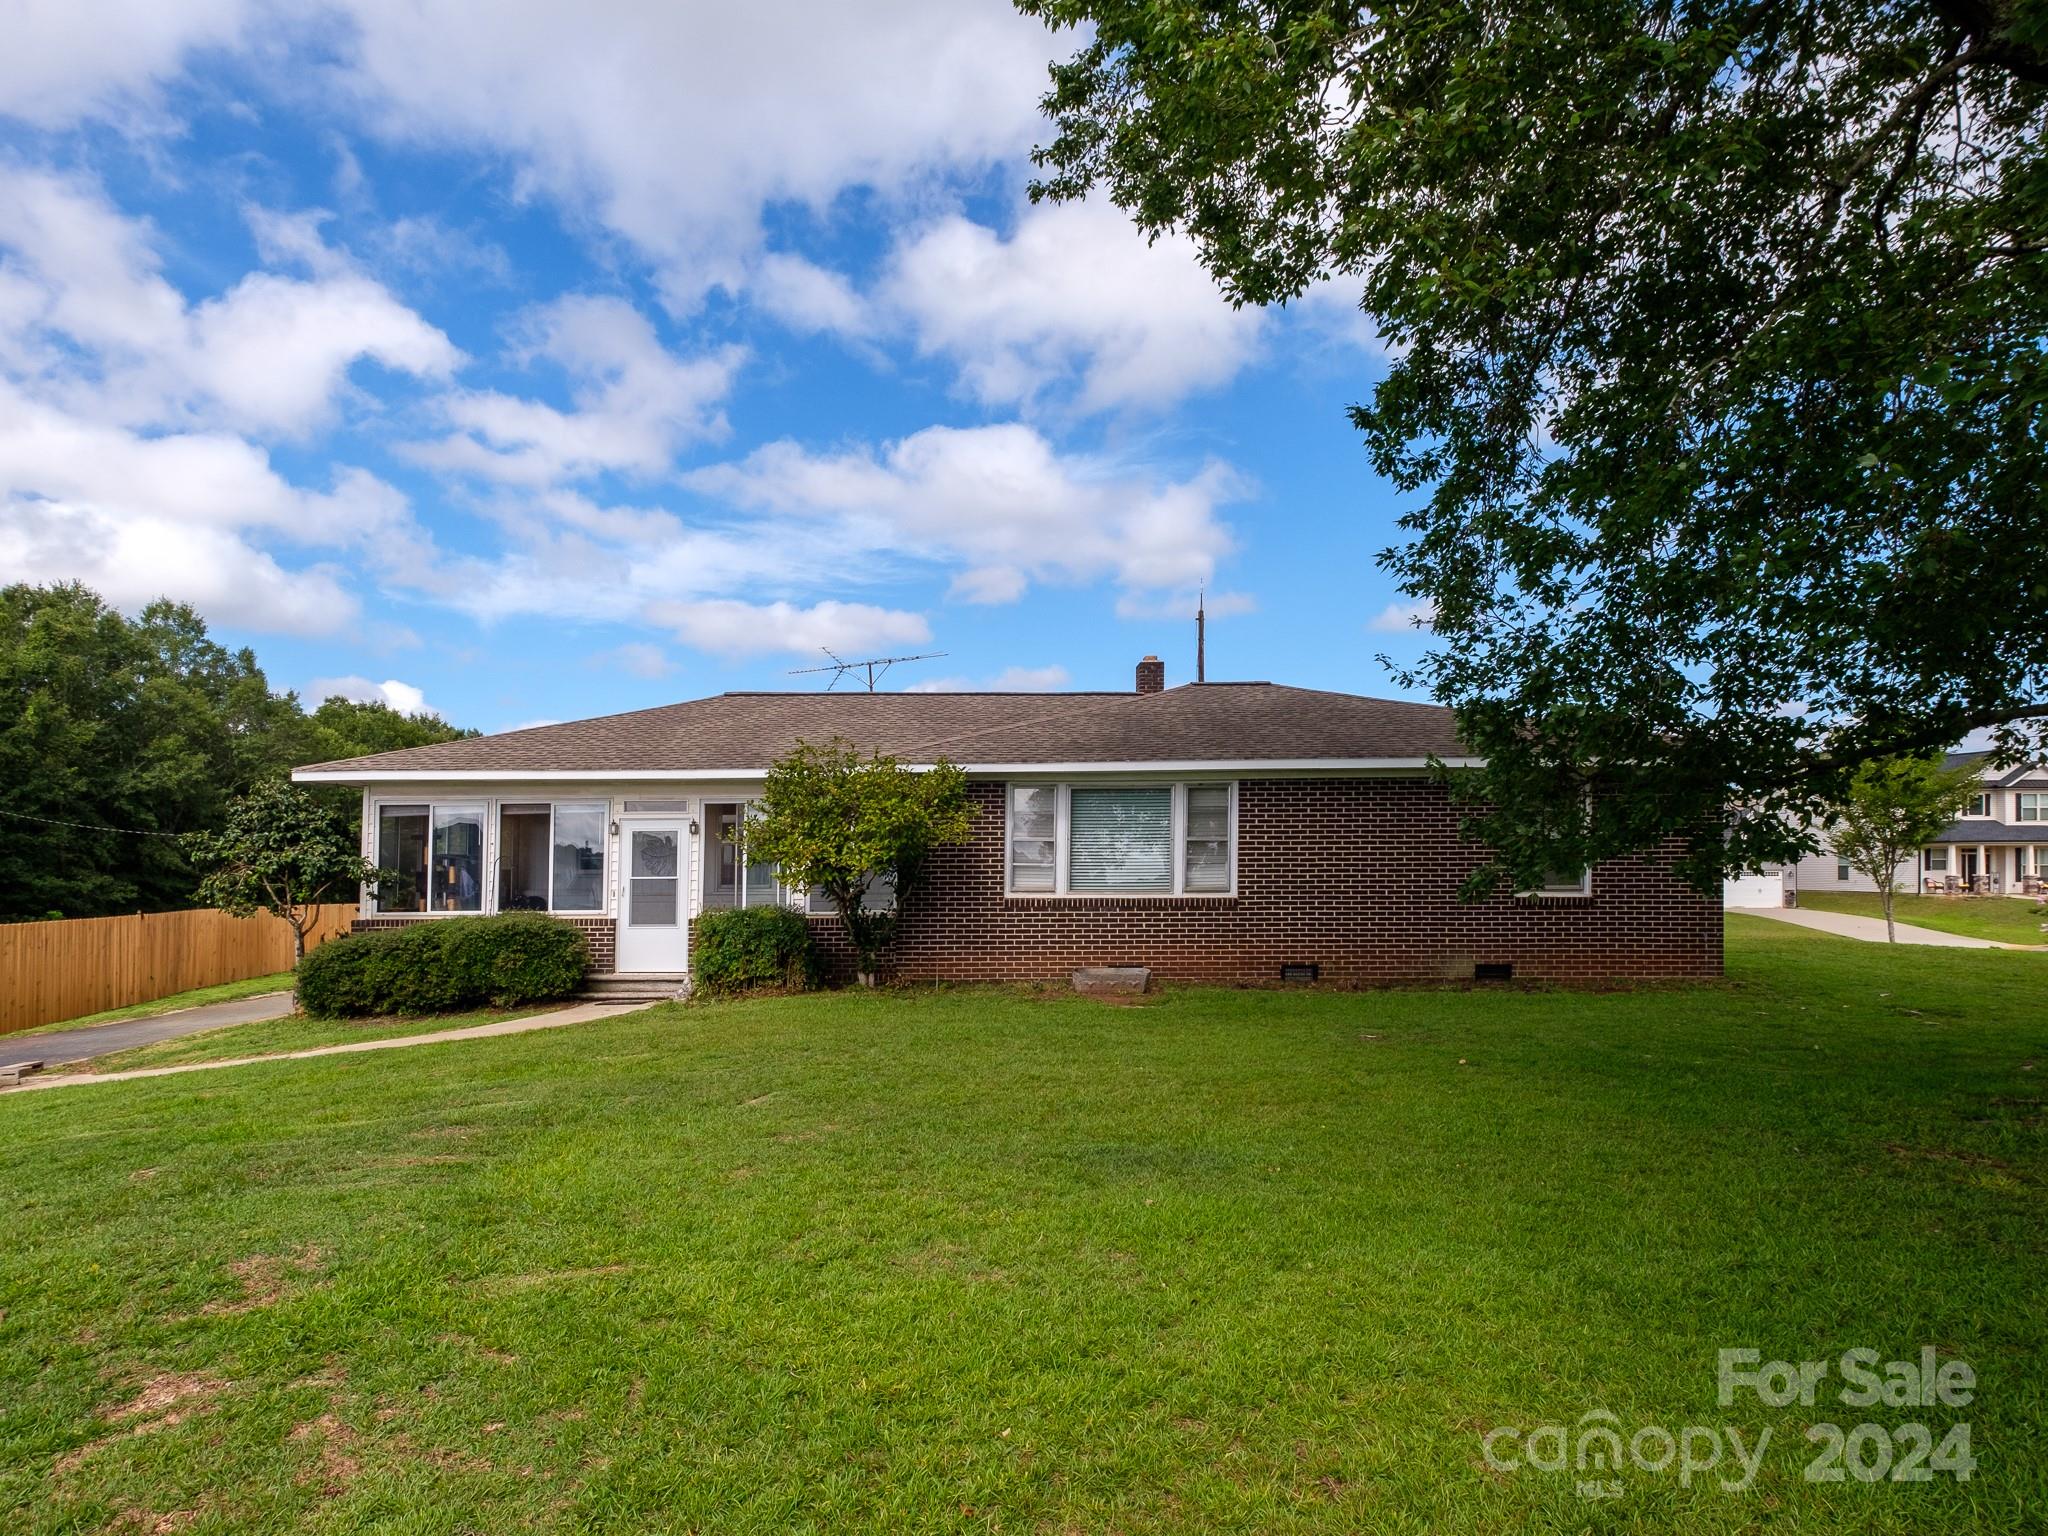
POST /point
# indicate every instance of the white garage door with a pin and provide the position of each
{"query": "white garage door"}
(1753, 891)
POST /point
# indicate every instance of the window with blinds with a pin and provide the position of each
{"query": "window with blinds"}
(1121, 839)
(1208, 838)
(1034, 837)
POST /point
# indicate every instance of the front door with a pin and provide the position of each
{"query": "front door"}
(653, 931)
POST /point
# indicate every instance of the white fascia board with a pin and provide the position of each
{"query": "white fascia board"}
(523, 775)
(1245, 767)
(1241, 767)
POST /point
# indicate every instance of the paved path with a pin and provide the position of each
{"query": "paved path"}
(582, 1013)
(61, 1045)
(1850, 925)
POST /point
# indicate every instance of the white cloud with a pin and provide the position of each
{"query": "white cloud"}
(179, 515)
(1000, 501)
(690, 119)
(134, 559)
(1400, 618)
(64, 61)
(91, 321)
(636, 403)
(809, 298)
(403, 697)
(1048, 679)
(734, 628)
(1074, 295)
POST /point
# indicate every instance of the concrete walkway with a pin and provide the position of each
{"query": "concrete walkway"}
(62, 1045)
(1850, 925)
(582, 1013)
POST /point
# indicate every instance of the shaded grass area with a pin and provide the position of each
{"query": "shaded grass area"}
(2007, 919)
(295, 1032)
(226, 992)
(974, 1260)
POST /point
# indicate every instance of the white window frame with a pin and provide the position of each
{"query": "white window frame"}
(1063, 844)
(494, 810)
(2040, 806)
(1983, 798)
(1563, 892)
(786, 896)
(1937, 851)
(555, 807)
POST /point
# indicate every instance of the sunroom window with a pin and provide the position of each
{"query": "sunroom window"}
(551, 857)
(402, 853)
(1120, 839)
(730, 878)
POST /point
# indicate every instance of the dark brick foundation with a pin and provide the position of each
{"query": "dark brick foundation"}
(601, 932)
(1357, 876)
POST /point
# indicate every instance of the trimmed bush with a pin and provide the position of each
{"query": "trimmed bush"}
(443, 965)
(747, 947)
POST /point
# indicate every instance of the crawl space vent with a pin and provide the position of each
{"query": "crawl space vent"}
(1499, 971)
(1308, 971)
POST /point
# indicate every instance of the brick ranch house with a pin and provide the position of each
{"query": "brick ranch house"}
(1215, 831)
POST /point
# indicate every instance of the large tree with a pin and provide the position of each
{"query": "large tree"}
(1716, 377)
(120, 735)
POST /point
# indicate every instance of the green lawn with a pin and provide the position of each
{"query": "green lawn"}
(294, 1032)
(2004, 918)
(981, 1261)
(226, 992)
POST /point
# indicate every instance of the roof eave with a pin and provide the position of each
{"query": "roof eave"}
(336, 774)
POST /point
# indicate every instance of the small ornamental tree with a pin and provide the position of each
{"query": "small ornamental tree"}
(1896, 806)
(282, 851)
(834, 821)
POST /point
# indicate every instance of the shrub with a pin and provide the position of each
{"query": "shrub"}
(735, 951)
(445, 964)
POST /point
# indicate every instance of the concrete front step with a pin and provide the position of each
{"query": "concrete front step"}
(662, 986)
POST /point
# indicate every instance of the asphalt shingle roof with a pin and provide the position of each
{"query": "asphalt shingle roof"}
(1202, 722)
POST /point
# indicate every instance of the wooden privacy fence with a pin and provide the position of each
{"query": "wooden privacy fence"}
(75, 966)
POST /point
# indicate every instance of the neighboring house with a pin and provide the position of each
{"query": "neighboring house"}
(2000, 843)
(1218, 831)
(1998, 846)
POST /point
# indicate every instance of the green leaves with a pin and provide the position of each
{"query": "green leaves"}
(1723, 384)
(835, 820)
(281, 851)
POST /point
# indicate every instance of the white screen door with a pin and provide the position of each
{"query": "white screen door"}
(653, 931)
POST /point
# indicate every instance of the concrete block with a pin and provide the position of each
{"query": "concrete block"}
(1111, 980)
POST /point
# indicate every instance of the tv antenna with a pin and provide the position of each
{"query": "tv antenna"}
(1202, 637)
(839, 669)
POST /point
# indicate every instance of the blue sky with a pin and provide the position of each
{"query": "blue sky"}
(536, 362)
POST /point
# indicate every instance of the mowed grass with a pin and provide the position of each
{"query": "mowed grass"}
(985, 1261)
(226, 992)
(294, 1032)
(2007, 919)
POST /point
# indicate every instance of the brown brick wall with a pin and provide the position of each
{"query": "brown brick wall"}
(602, 933)
(1359, 876)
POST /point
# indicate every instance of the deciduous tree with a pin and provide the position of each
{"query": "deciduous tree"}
(282, 851)
(1894, 808)
(1715, 377)
(833, 820)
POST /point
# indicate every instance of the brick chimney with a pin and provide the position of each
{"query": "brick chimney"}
(1151, 675)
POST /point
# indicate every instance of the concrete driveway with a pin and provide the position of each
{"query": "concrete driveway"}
(104, 1039)
(1849, 925)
